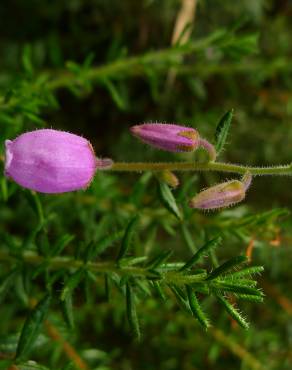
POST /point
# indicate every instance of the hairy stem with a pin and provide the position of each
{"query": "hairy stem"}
(207, 166)
(131, 66)
(169, 277)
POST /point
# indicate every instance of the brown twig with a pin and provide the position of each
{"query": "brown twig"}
(54, 333)
(249, 249)
(185, 16)
(68, 349)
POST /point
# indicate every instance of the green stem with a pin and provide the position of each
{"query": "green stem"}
(136, 65)
(208, 166)
(131, 66)
(56, 263)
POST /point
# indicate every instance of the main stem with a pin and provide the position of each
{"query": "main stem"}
(194, 166)
(56, 263)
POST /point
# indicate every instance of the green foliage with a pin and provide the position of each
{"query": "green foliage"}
(32, 327)
(205, 249)
(196, 309)
(168, 199)
(127, 258)
(127, 238)
(222, 130)
(131, 311)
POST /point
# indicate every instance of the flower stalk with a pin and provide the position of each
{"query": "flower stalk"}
(285, 170)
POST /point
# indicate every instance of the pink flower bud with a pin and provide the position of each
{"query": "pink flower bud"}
(222, 195)
(50, 161)
(171, 137)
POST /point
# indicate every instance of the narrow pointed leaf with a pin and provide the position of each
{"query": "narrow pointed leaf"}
(181, 298)
(188, 238)
(131, 311)
(210, 245)
(157, 287)
(233, 312)
(116, 94)
(67, 310)
(32, 327)
(107, 287)
(222, 131)
(30, 365)
(159, 260)
(249, 271)
(236, 288)
(128, 235)
(196, 308)
(72, 283)
(61, 243)
(250, 298)
(6, 283)
(104, 243)
(168, 199)
(228, 265)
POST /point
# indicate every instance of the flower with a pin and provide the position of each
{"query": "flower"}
(172, 137)
(51, 161)
(222, 195)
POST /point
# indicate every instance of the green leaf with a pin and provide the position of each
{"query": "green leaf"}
(116, 94)
(157, 287)
(196, 308)
(188, 238)
(247, 271)
(132, 261)
(34, 200)
(236, 288)
(250, 298)
(140, 188)
(27, 59)
(30, 365)
(4, 189)
(107, 287)
(73, 67)
(204, 250)
(88, 60)
(72, 283)
(228, 265)
(61, 243)
(42, 242)
(104, 243)
(168, 199)
(70, 366)
(180, 297)
(222, 130)
(233, 312)
(6, 283)
(159, 260)
(128, 236)
(67, 310)
(228, 279)
(131, 311)
(240, 46)
(32, 327)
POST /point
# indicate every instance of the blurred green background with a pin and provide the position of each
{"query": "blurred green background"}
(94, 68)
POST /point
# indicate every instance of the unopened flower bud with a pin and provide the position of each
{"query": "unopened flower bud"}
(171, 137)
(50, 161)
(169, 178)
(222, 195)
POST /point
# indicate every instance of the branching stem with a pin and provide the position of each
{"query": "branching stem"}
(56, 263)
